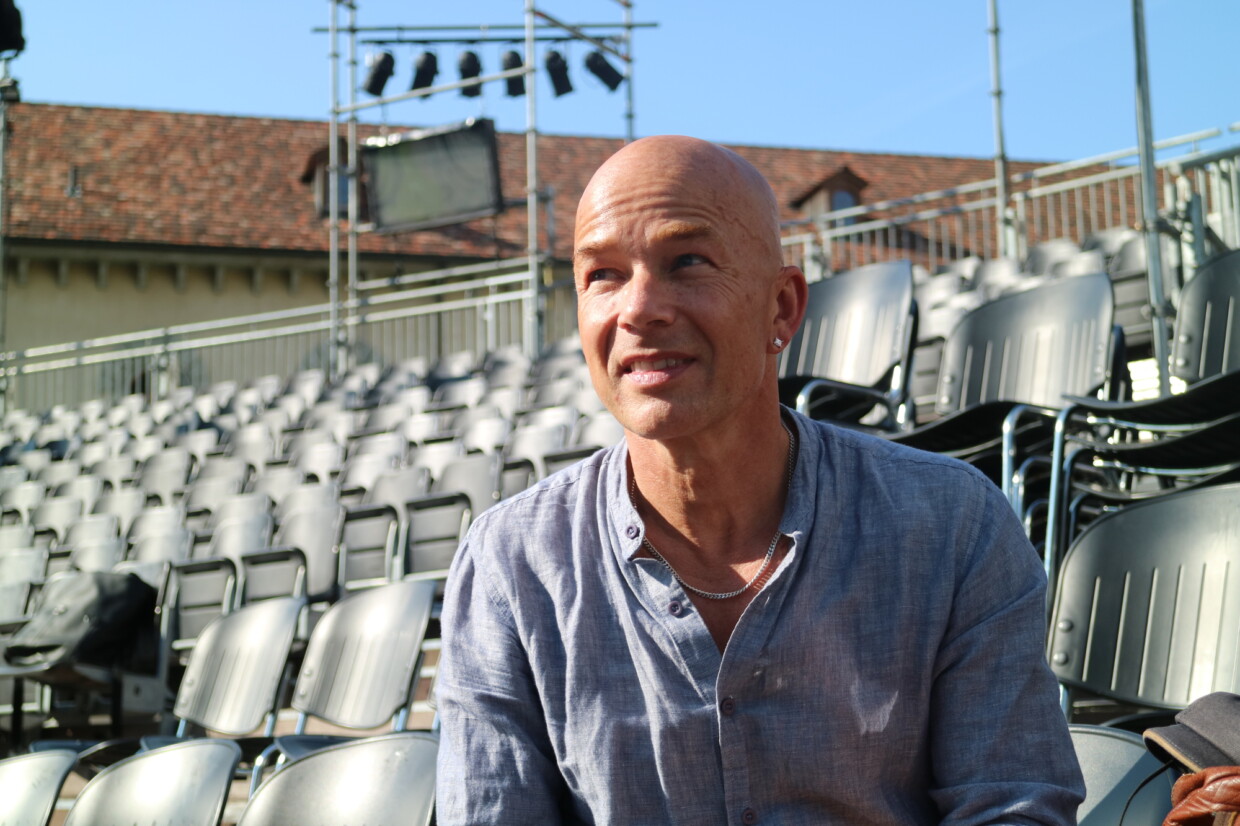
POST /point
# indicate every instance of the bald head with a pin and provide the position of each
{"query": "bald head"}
(690, 171)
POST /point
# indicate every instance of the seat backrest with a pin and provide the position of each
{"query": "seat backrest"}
(86, 487)
(233, 537)
(22, 565)
(1031, 347)
(307, 497)
(360, 665)
(396, 487)
(436, 525)
(857, 327)
(386, 779)
(92, 528)
(232, 681)
(125, 503)
(1115, 763)
(1048, 253)
(1207, 327)
(434, 456)
(316, 533)
(182, 783)
(1148, 601)
(241, 506)
(30, 785)
(18, 535)
(474, 474)
(57, 473)
(156, 520)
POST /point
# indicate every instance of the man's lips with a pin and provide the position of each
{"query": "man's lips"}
(655, 370)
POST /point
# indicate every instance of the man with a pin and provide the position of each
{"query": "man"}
(737, 615)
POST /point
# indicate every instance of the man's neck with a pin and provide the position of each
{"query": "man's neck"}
(716, 496)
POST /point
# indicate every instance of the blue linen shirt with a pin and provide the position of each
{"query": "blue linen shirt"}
(890, 671)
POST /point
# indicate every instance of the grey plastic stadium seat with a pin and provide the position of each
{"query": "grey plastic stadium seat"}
(361, 664)
(185, 783)
(1046, 254)
(57, 473)
(17, 502)
(1148, 602)
(1115, 763)
(1023, 350)
(124, 503)
(854, 347)
(379, 781)
(30, 785)
(86, 487)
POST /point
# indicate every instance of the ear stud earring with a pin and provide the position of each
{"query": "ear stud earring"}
(779, 343)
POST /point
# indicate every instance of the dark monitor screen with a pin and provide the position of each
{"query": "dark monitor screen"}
(433, 177)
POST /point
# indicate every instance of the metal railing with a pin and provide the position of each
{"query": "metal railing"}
(476, 307)
(1199, 202)
(483, 306)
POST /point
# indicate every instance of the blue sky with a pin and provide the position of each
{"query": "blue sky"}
(902, 76)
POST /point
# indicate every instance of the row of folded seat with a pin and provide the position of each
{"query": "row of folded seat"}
(298, 487)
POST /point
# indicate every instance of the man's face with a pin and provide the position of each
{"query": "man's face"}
(676, 299)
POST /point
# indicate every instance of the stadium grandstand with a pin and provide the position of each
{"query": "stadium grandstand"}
(253, 491)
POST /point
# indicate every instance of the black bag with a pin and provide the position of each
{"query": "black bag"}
(84, 617)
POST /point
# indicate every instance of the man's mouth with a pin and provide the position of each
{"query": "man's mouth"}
(657, 364)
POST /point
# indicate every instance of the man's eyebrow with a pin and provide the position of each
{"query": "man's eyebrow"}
(685, 231)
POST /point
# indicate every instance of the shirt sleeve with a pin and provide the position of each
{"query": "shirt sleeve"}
(496, 764)
(999, 742)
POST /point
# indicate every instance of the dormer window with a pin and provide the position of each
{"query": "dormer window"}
(315, 174)
(839, 190)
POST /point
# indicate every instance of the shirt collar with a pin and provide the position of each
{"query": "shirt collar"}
(626, 524)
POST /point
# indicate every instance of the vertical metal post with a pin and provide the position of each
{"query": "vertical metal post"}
(333, 200)
(533, 320)
(1001, 168)
(350, 331)
(629, 112)
(1149, 201)
(4, 276)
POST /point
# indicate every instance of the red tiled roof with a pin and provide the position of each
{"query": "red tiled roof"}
(195, 180)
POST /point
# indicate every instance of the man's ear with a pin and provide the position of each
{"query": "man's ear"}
(791, 298)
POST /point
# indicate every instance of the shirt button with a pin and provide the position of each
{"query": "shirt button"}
(749, 816)
(631, 531)
(674, 607)
(728, 706)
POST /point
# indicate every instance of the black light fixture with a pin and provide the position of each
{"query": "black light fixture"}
(470, 67)
(516, 85)
(557, 70)
(424, 70)
(604, 71)
(381, 68)
(11, 39)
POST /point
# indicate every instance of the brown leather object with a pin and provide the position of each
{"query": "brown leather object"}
(1197, 798)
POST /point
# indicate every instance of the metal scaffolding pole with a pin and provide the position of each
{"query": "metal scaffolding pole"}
(350, 331)
(333, 200)
(1006, 238)
(1149, 201)
(533, 310)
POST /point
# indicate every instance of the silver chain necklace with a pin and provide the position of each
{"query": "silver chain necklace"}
(770, 551)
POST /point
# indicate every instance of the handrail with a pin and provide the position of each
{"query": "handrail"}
(181, 330)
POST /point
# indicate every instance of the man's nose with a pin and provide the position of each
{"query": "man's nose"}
(648, 299)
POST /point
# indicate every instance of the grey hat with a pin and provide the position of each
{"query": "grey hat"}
(1205, 734)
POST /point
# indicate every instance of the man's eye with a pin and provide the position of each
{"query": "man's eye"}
(598, 275)
(689, 259)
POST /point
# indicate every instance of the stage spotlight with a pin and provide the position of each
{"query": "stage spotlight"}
(424, 70)
(557, 70)
(381, 69)
(604, 71)
(470, 67)
(11, 39)
(516, 85)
